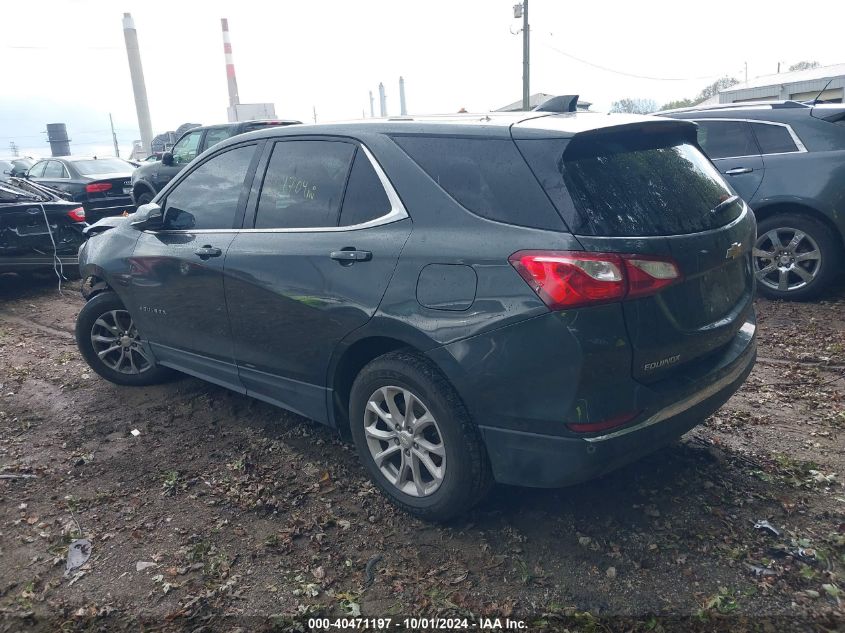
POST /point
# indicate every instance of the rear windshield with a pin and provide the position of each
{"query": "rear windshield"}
(615, 187)
(486, 176)
(102, 166)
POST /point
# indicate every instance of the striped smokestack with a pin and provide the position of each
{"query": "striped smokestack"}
(230, 65)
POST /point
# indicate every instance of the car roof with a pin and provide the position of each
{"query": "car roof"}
(525, 124)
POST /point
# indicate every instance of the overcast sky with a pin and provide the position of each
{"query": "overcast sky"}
(65, 60)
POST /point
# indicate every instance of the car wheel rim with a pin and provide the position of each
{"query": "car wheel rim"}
(786, 259)
(117, 344)
(405, 441)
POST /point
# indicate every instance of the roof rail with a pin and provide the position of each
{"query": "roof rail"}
(561, 103)
(789, 104)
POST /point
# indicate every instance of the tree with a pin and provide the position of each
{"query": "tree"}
(805, 65)
(680, 103)
(716, 87)
(706, 92)
(634, 106)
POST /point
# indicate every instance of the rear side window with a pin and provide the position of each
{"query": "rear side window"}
(726, 139)
(486, 176)
(365, 198)
(303, 186)
(613, 189)
(773, 139)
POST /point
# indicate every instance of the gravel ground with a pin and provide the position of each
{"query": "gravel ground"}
(225, 513)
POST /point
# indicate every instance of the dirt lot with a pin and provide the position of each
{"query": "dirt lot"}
(254, 519)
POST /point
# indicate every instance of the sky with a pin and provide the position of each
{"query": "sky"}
(65, 60)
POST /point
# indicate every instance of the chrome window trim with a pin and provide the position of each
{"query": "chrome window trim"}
(802, 149)
(397, 212)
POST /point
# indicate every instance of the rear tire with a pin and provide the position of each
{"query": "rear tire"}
(435, 472)
(787, 242)
(110, 344)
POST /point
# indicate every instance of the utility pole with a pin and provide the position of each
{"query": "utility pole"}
(114, 137)
(746, 72)
(314, 108)
(525, 54)
(13, 147)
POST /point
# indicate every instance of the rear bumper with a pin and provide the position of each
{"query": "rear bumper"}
(548, 461)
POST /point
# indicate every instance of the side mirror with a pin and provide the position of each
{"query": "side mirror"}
(167, 159)
(148, 216)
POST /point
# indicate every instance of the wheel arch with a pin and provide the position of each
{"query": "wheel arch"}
(346, 366)
(142, 186)
(775, 207)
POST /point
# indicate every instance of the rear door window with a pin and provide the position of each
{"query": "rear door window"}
(216, 135)
(486, 176)
(54, 169)
(726, 139)
(303, 185)
(365, 198)
(773, 139)
(617, 189)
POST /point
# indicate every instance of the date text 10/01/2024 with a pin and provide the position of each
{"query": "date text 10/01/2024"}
(421, 624)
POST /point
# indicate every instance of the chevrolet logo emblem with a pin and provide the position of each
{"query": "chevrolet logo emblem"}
(734, 251)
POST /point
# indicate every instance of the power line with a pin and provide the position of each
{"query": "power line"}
(627, 74)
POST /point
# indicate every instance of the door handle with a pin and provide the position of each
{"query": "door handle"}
(208, 251)
(739, 170)
(350, 256)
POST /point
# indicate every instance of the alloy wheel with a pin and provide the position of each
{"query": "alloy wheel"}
(404, 441)
(786, 259)
(116, 341)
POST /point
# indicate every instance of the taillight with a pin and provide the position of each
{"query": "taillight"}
(97, 187)
(77, 214)
(571, 279)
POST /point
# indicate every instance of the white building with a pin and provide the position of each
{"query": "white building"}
(798, 85)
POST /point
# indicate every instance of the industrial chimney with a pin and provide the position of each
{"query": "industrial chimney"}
(402, 109)
(138, 86)
(382, 100)
(57, 137)
(230, 65)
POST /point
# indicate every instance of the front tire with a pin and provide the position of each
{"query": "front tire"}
(415, 438)
(143, 198)
(109, 342)
(795, 257)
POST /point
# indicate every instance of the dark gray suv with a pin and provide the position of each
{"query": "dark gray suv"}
(787, 160)
(527, 298)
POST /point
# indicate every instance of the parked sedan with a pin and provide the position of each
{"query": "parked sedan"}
(529, 298)
(101, 185)
(33, 222)
(15, 166)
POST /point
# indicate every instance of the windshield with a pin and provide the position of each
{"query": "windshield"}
(102, 166)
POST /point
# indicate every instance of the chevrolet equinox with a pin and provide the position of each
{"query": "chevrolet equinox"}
(529, 298)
